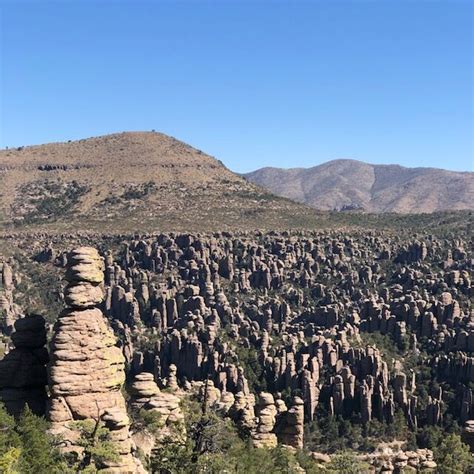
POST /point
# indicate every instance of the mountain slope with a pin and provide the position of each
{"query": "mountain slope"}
(350, 184)
(129, 181)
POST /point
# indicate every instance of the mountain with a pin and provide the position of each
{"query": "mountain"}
(351, 184)
(133, 180)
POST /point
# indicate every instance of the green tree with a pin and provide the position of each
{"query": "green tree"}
(453, 456)
(8, 436)
(38, 448)
(9, 461)
(98, 448)
(346, 462)
(171, 456)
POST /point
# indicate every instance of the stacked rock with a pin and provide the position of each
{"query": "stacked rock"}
(168, 406)
(85, 276)
(290, 429)
(225, 403)
(209, 395)
(263, 437)
(23, 377)
(172, 380)
(242, 412)
(87, 368)
(143, 389)
(146, 395)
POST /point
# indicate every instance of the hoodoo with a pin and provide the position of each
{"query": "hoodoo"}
(87, 368)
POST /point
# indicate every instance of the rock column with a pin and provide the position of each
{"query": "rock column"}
(87, 368)
(23, 376)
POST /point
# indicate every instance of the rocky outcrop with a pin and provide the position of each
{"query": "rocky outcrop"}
(23, 377)
(87, 368)
(337, 319)
(468, 434)
(217, 287)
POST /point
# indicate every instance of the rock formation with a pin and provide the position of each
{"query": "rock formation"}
(361, 326)
(290, 429)
(8, 311)
(23, 377)
(87, 368)
(145, 394)
(266, 412)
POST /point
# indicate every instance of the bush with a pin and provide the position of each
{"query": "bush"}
(346, 463)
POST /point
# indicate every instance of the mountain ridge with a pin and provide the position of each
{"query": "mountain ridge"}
(353, 184)
(353, 160)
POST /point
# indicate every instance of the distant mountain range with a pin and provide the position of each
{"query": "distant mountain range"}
(355, 185)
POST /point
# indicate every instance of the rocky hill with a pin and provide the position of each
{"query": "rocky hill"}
(133, 180)
(350, 184)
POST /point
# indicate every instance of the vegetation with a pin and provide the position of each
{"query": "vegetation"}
(346, 463)
(49, 200)
(213, 446)
(453, 456)
(98, 448)
(248, 360)
(139, 191)
(38, 290)
(149, 419)
(335, 434)
(26, 447)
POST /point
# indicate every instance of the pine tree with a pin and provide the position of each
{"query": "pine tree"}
(453, 456)
(38, 451)
(10, 444)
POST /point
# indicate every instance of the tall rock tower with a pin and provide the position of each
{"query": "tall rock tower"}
(8, 313)
(87, 368)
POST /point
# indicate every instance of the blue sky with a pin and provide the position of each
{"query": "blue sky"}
(254, 83)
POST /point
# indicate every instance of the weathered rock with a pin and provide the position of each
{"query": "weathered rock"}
(87, 368)
(23, 376)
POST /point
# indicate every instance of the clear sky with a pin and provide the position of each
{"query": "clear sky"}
(254, 83)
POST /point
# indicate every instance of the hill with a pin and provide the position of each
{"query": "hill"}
(350, 184)
(129, 181)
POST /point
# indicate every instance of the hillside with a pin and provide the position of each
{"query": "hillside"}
(350, 184)
(129, 181)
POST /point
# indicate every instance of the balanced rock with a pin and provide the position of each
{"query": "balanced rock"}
(86, 372)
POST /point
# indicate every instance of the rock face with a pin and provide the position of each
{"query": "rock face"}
(87, 368)
(23, 376)
(468, 434)
(187, 291)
